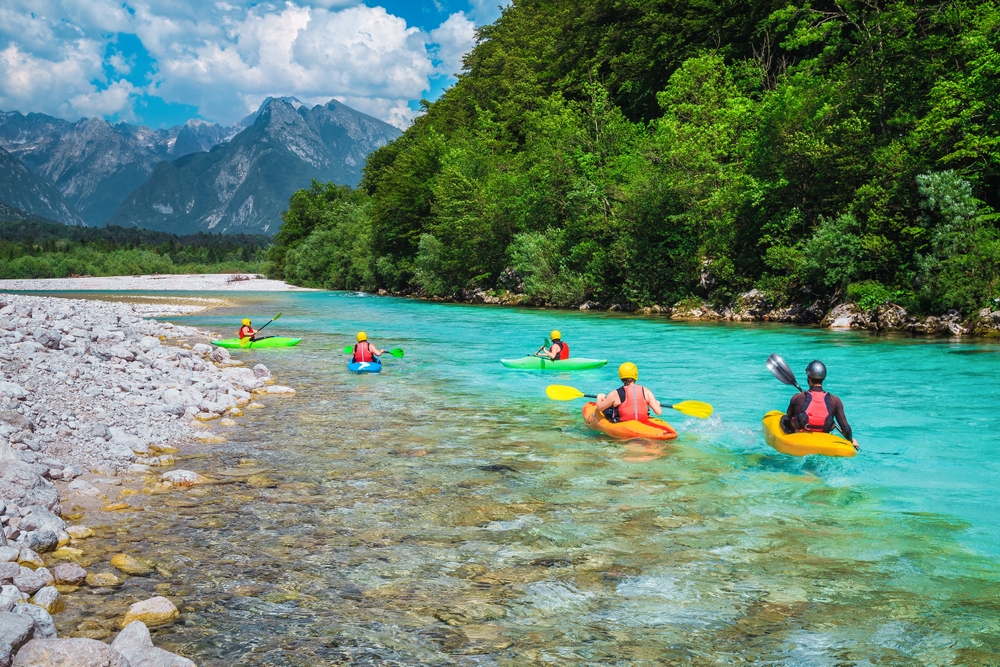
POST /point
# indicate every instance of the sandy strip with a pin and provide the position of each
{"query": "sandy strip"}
(207, 282)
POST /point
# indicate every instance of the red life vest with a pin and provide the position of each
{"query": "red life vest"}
(363, 352)
(817, 416)
(246, 331)
(633, 403)
(563, 350)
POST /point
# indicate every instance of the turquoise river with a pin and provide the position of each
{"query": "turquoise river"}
(446, 512)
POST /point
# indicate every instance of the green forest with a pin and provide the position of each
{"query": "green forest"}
(51, 250)
(643, 152)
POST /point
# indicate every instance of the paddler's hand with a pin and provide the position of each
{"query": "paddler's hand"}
(600, 397)
(855, 443)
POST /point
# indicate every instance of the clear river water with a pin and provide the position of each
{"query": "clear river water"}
(446, 512)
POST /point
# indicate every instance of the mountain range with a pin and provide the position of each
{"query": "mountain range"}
(194, 177)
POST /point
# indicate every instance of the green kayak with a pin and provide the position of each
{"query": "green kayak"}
(530, 363)
(275, 341)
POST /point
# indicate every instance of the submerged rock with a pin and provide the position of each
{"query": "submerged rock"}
(135, 644)
(154, 611)
(130, 565)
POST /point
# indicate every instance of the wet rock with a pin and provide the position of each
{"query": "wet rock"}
(42, 541)
(29, 557)
(261, 371)
(102, 579)
(69, 573)
(184, 478)
(260, 482)
(80, 532)
(48, 598)
(130, 565)
(220, 355)
(274, 389)
(77, 652)
(154, 611)
(85, 488)
(135, 644)
(45, 628)
(15, 631)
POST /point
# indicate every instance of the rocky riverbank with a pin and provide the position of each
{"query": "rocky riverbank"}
(94, 394)
(756, 306)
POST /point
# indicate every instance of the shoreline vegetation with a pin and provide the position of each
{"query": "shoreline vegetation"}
(759, 161)
(35, 250)
(151, 390)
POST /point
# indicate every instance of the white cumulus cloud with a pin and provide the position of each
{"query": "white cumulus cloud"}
(222, 57)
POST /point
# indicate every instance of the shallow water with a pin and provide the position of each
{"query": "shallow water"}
(446, 512)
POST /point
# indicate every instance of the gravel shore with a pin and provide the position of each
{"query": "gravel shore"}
(92, 392)
(207, 282)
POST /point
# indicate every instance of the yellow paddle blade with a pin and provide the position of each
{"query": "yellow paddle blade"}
(245, 341)
(694, 409)
(560, 392)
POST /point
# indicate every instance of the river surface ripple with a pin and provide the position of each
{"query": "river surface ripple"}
(446, 512)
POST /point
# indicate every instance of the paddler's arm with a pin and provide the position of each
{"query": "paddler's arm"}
(838, 413)
(652, 402)
(377, 352)
(605, 401)
(552, 352)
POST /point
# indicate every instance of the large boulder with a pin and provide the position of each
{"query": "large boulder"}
(135, 644)
(68, 653)
(15, 631)
(45, 628)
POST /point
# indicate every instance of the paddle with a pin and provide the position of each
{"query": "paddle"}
(560, 392)
(245, 342)
(780, 369)
(546, 345)
(396, 352)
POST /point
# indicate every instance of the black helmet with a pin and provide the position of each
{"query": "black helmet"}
(816, 370)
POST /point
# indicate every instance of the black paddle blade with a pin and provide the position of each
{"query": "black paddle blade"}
(780, 369)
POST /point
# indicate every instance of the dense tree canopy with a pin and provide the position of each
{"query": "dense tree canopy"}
(647, 151)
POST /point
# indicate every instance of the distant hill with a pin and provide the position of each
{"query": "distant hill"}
(11, 214)
(243, 185)
(94, 164)
(23, 192)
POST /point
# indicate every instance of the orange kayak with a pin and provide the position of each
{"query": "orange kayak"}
(653, 429)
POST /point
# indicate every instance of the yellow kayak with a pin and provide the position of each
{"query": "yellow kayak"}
(803, 444)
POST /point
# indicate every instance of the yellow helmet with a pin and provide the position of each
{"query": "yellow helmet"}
(246, 321)
(628, 371)
(555, 335)
(362, 336)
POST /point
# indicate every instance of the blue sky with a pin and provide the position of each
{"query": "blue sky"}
(160, 63)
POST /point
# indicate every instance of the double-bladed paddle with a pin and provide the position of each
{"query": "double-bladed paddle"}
(245, 342)
(396, 352)
(561, 392)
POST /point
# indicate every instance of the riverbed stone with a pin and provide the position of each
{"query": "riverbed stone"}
(30, 558)
(45, 628)
(102, 579)
(48, 598)
(69, 573)
(136, 645)
(9, 554)
(260, 482)
(184, 478)
(29, 581)
(80, 532)
(129, 565)
(42, 541)
(15, 631)
(76, 652)
(154, 611)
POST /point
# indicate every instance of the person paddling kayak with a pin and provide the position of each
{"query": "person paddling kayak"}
(365, 351)
(630, 402)
(558, 349)
(816, 410)
(247, 331)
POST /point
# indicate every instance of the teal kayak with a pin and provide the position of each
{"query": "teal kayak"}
(274, 341)
(531, 363)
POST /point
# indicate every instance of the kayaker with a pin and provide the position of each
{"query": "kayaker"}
(558, 349)
(365, 351)
(630, 402)
(247, 331)
(816, 410)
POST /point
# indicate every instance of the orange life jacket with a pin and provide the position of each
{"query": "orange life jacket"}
(363, 352)
(817, 416)
(246, 331)
(633, 403)
(563, 350)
